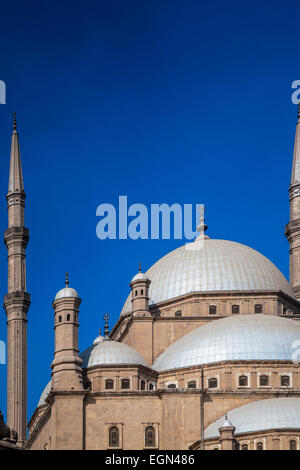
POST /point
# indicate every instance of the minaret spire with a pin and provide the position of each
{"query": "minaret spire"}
(17, 301)
(293, 228)
(15, 172)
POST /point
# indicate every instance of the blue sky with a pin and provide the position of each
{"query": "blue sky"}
(162, 101)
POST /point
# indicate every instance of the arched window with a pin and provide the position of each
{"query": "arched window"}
(235, 309)
(109, 384)
(285, 381)
(212, 309)
(114, 437)
(68, 317)
(236, 445)
(59, 318)
(293, 445)
(151, 387)
(125, 384)
(213, 383)
(259, 446)
(143, 385)
(243, 381)
(258, 308)
(192, 384)
(178, 313)
(172, 386)
(263, 380)
(142, 291)
(150, 436)
(136, 292)
(244, 447)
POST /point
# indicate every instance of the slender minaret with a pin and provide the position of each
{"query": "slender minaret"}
(66, 365)
(293, 228)
(17, 301)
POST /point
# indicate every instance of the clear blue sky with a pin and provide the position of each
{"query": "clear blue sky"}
(163, 101)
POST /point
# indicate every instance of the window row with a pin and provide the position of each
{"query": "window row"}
(243, 381)
(126, 384)
(212, 310)
(260, 445)
(264, 381)
(115, 441)
(66, 318)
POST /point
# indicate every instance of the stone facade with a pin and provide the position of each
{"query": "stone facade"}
(107, 402)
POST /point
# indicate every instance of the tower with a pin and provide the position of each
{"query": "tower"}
(140, 294)
(293, 228)
(66, 365)
(17, 300)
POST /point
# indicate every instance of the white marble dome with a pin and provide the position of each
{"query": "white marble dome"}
(253, 337)
(66, 292)
(220, 265)
(261, 415)
(111, 352)
(103, 352)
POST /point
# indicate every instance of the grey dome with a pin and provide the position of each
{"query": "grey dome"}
(66, 292)
(220, 265)
(140, 277)
(261, 415)
(111, 352)
(101, 353)
(44, 395)
(244, 337)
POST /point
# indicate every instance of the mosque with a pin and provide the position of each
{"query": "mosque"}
(203, 355)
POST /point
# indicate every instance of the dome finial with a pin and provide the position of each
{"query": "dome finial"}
(201, 227)
(106, 328)
(14, 121)
(67, 279)
(140, 267)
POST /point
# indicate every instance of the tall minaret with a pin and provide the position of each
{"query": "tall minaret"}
(293, 228)
(17, 301)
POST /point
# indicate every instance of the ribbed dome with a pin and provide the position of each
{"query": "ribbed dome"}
(262, 415)
(241, 338)
(220, 265)
(111, 352)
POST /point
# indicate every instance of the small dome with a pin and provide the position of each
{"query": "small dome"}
(44, 395)
(227, 423)
(101, 353)
(261, 415)
(241, 338)
(219, 266)
(99, 339)
(66, 292)
(140, 277)
(111, 352)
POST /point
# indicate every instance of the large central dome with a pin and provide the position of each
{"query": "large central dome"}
(220, 265)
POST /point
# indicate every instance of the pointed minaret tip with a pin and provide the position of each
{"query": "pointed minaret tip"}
(15, 122)
(15, 183)
(295, 179)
